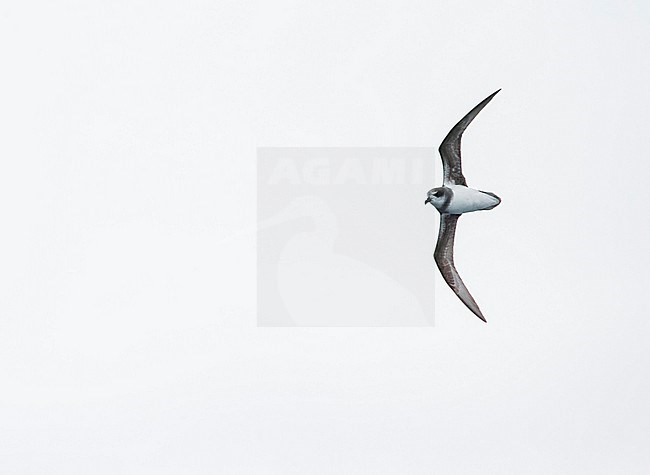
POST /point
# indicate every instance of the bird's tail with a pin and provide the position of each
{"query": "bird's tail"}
(493, 196)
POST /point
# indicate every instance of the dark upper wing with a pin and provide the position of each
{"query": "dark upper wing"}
(450, 146)
(444, 256)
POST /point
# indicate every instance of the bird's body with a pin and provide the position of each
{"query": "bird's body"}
(463, 199)
(453, 199)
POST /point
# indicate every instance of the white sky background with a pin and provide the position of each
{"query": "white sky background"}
(127, 316)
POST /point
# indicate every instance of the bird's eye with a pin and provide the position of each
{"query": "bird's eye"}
(437, 193)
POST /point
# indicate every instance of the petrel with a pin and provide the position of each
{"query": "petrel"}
(454, 198)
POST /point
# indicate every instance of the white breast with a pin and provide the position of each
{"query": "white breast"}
(466, 200)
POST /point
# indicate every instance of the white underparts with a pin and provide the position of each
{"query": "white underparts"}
(466, 200)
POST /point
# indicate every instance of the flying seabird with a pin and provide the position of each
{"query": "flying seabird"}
(454, 198)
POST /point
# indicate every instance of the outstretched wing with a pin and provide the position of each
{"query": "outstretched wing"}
(444, 256)
(450, 146)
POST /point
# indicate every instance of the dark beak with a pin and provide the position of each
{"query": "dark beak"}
(428, 200)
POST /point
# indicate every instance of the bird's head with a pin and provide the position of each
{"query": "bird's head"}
(439, 198)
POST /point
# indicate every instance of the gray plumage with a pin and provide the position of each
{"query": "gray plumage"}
(453, 199)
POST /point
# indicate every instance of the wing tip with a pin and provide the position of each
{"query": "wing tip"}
(489, 98)
(476, 310)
